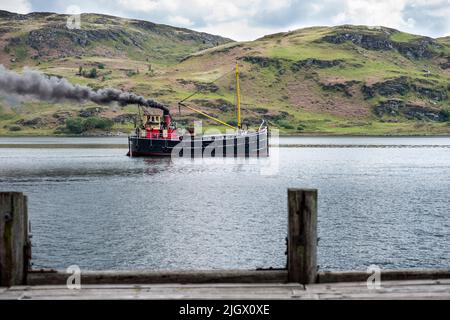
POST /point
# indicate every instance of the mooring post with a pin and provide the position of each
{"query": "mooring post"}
(14, 241)
(302, 235)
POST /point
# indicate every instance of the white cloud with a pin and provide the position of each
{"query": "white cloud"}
(139, 5)
(73, 9)
(249, 19)
(428, 17)
(373, 13)
(239, 31)
(180, 21)
(245, 20)
(18, 6)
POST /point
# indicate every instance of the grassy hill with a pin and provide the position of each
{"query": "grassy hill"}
(321, 80)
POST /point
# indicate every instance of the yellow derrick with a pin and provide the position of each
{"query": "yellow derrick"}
(238, 97)
(208, 116)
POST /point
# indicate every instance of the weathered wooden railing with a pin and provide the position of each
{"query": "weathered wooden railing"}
(301, 255)
(14, 241)
(302, 236)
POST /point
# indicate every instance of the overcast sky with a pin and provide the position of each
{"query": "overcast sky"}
(250, 19)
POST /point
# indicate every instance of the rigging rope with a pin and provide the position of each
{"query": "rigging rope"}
(198, 91)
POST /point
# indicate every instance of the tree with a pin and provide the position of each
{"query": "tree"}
(98, 123)
(79, 125)
(93, 73)
(75, 125)
(445, 114)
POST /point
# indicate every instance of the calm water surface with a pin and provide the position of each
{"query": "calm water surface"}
(101, 210)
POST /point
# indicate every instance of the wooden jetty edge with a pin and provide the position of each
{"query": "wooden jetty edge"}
(300, 280)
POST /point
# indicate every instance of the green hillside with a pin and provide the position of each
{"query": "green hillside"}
(342, 80)
(321, 80)
(444, 41)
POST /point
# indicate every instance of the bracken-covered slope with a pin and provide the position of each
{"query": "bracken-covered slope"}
(340, 80)
(347, 79)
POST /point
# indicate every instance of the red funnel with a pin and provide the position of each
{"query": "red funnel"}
(167, 120)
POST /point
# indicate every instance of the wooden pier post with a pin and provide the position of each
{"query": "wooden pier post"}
(14, 243)
(302, 235)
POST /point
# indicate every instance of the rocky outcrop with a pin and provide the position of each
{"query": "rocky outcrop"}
(395, 108)
(64, 41)
(91, 112)
(445, 65)
(415, 49)
(264, 62)
(422, 113)
(436, 94)
(6, 15)
(46, 121)
(367, 41)
(387, 88)
(344, 87)
(61, 116)
(282, 115)
(403, 85)
(221, 104)
(200, 86)
(206, 87)
(261, 110)
(418, 49)
(390, 107)
(35, 123)
(125, 118)
(311, 62)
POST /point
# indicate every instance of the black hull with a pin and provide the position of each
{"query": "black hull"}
(245, 145)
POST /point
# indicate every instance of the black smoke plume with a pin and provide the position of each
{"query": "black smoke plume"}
(37, 85)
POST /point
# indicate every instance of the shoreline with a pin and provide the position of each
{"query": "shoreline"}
(306, 146)
(307, 135)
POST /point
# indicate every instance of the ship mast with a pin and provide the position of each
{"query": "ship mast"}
(238, 98)
(238, 102)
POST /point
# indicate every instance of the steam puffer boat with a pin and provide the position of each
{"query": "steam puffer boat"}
(157, 135)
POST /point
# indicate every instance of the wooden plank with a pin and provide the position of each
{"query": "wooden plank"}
(429, 289)
(400, 274)
(232, 276)
(369, 296)
(224, 286)
(403, 289)
(153, 277)
(381, 297)
(302, 235)
(13, 238)
(385, 283)
(421, 289)
(157, 292)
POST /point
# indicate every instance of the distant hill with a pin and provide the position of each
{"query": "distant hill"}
(346, 79)
(321, 80)
(45, 36)
(444, 40)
